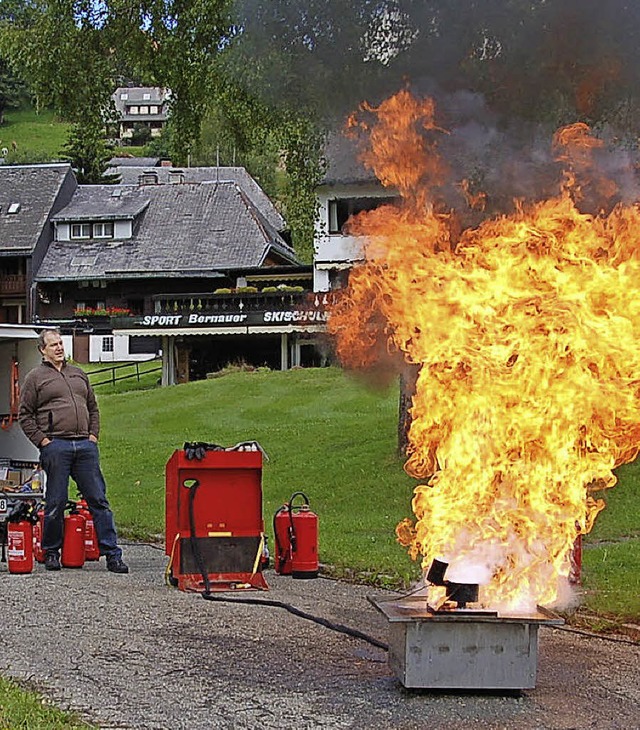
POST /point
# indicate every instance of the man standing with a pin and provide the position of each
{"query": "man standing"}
(59, 414)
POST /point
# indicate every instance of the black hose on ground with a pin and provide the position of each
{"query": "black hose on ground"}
(302, 614)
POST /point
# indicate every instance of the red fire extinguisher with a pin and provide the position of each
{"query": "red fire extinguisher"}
(91, 548)
(296, 539)
(19, 547)
(73, 539)
(38, 552)
(20, 540)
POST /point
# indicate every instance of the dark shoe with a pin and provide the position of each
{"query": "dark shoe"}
(51, 561)
(115, 565)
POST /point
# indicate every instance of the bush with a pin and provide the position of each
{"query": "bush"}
(140, 135)
(240, 366)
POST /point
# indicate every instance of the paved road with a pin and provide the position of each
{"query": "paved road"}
(129, 652)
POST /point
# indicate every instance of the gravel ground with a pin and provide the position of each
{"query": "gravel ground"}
(129, 652)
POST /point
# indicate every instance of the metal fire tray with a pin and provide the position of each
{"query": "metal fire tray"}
(461, 648)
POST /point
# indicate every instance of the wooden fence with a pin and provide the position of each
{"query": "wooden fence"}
(116, 376)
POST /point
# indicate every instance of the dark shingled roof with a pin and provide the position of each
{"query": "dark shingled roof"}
(191, 229)
(104, 202)
(130, 175)
(34, 188)
(343, 162)
(134, 161)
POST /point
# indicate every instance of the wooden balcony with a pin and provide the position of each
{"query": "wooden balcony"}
(232, 301)
(13, 285)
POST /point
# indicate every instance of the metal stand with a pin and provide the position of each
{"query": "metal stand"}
(461, 649)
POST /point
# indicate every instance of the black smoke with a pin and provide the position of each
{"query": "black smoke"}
(505, 75)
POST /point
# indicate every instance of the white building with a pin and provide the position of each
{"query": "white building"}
(347, 188)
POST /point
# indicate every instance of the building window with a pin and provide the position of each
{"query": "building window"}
(153, 110)
(103, 230)
(93, 304)
(144, 345)
(124, 96)
(342, 209)
(80, 230)
(144, 110)
(107, 344)
(133, 110)
(146, 95)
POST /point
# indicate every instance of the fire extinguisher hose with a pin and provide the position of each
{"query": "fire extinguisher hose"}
(193, 541)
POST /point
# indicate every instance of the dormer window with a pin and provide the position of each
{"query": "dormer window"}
(81, 230)
(103, 230)
(88, 230)
(148, 177)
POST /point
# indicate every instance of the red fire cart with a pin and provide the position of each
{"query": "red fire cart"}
(214, 526)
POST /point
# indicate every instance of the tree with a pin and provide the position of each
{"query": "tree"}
(73, 52)
(64, 55)
(11, 90)
(281, 147)
(88, 152)
(284, 71)
(174, 44)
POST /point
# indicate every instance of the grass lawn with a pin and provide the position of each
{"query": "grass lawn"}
(124, 376)
(333, 438)
(611, 556)
(39, 137)
(25, 709)
(324, 434)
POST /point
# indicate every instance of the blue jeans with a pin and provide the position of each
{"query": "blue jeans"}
(78, 458)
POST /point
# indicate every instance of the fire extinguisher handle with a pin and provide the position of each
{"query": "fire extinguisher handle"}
(298, 494)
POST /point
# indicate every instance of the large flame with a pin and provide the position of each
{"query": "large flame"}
(525, 330)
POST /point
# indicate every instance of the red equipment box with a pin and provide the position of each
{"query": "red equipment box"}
(213, 518)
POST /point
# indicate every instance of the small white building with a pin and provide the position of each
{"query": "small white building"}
(348, 188)
(141, 106)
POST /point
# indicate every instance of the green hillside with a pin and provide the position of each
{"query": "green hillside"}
(31, 136)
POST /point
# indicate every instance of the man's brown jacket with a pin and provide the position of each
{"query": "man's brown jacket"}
(58, 404)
